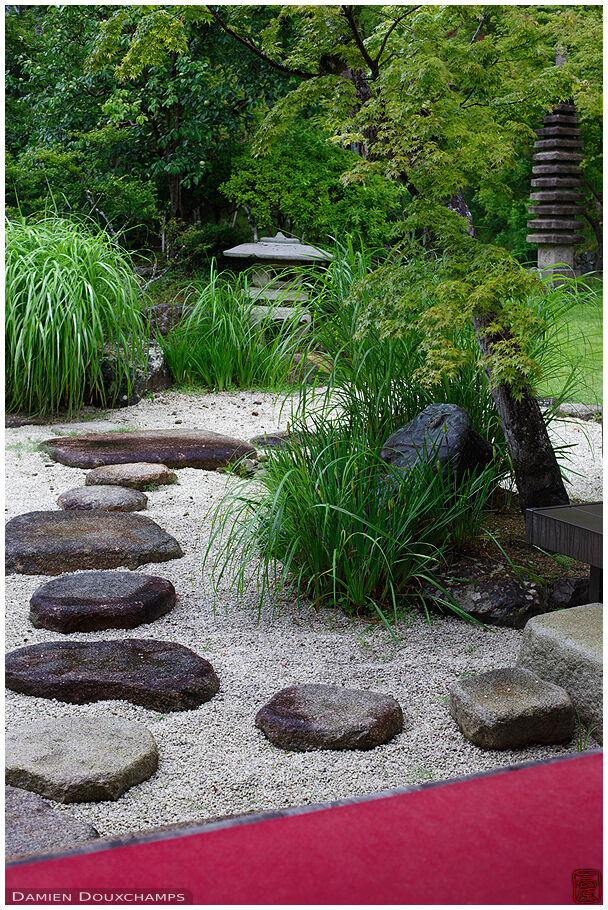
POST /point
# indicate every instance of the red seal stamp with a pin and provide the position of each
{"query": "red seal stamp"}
(587, 886)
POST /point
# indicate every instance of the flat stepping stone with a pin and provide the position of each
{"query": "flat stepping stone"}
(86, 427)
(110, 499)
(49, 543)
(511, 708)
(313, 716)
(92, 601)
(79, 759)
(138, 476)
(32, 826)
(156, 674)
(174, 448)
(565, 648)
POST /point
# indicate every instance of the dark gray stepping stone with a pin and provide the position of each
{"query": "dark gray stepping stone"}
(511, 708)
(79, 759)
(32, 826)
(49, 543)
(281, 439)
(312, 716)
(565, 648)
(442, 434)
(92, 601)
(139, 476)
(156, 674)
(110, 499)
(174, 448)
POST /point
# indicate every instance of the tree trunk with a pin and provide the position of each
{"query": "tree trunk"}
(175, 195)
(537, 474)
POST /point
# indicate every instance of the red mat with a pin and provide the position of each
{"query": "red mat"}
(528, 835)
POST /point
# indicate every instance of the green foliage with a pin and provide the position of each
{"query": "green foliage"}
(334, 524)
(70, 295)
(201, 243)
(296, 186)
(219, 345)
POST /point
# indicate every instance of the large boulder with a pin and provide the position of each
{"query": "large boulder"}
(565, 647)
(313, 716)
(442, 434)
(92, 601)
(152, 376)
(32, 826)
(173, 448)
(511, 708)
(49, 543)
(79, 759)
(156, 674)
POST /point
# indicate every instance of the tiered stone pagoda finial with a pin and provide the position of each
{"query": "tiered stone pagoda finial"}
(555, 193)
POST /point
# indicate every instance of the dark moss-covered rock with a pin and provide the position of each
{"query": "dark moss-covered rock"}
(49, 543)
(92, 601)
(156, 674)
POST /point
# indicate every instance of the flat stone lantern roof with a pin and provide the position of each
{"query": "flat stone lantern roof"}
(279, 249)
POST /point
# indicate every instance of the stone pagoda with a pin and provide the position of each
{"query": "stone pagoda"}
(555, 193)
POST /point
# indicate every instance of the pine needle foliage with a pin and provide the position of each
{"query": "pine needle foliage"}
(70, 302)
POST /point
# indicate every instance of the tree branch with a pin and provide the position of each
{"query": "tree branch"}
(373, 64)
(391, 29)
(248, 43)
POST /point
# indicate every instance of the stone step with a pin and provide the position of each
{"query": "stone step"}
(94, 601)
(33, 826)
(79, 759)
(160, 675)
(565, 648)
(173, 448)
(138, 476)
(511, 708)
(106, 498)
(50, 543)
(307, 717)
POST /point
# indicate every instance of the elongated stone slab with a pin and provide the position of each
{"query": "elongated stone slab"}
(49, 543)
(312, 716)
(556, 182)
(109, 499)
(92, 601)
(32, 826)
(174, 448)
(79, 759)
(139, 476)
(156, 674)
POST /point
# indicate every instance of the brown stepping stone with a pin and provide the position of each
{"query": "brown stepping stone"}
(175, 448)
(511, 708)
(79, 759)
(312, 716)
(139, 476)
(110, 499)
(49, 543)
(32, 826)
(156, 674)
(92, 601)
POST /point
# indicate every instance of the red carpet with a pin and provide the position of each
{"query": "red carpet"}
(515, 837)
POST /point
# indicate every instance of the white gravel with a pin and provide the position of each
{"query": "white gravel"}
(213, 761)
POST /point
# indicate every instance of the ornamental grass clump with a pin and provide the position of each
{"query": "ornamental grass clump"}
(224, 342)
(70, 302)
(328, 519)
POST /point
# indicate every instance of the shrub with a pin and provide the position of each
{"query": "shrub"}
(221, 346)
(69, 294)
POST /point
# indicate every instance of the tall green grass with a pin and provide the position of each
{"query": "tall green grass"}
(70, 297)
(222, 345)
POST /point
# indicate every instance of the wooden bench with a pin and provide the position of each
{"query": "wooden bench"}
(575, 531)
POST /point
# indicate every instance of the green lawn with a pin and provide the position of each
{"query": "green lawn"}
(579, 344)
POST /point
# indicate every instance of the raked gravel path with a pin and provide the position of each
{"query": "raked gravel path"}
(213, 760)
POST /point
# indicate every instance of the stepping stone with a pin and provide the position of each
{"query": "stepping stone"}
(92, 601)
(32, 826)
(565, 648)
(86, 427)
(79, 759)
(329, 717)
(49, 543)
(156, 674)
(174, 448)
(109, 499)
(138, 476)
(511, 708)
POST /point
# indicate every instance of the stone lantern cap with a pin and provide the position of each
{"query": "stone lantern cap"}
(278, 249)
